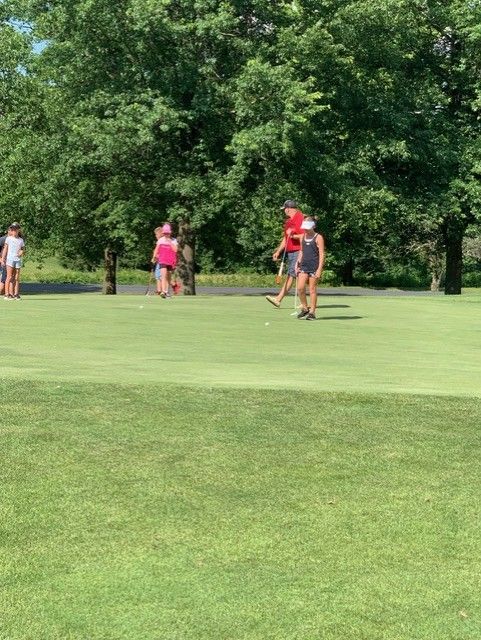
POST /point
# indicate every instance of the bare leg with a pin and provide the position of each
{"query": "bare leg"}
(313, 294)
(158, 284)
(286, 287)
(301, 289)
(9, 281)
(16, 291)
(169, 278)
(165, 280)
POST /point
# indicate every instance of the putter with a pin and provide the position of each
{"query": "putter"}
(151, 277)
(295, 302)
(281, 268)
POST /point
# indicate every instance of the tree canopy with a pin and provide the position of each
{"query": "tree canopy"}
(211, 113)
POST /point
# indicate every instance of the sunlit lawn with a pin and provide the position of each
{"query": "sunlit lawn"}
(179, 469)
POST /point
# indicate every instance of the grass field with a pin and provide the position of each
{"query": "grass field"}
(181, 470)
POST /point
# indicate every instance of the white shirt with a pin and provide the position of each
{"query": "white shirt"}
(15, 245)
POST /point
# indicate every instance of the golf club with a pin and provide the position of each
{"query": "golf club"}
(151, 277)
(295, 301)
(281, 268)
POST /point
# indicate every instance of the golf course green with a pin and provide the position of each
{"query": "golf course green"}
(213, 468)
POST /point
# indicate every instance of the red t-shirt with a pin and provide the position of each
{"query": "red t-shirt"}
(294, 223)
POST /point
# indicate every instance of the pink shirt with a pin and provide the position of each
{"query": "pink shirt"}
(164, 253)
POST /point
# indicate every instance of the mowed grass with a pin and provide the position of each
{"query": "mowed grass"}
(182, 471)
(413, 345)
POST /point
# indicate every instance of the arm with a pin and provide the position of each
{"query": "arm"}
(21, 253)
(294, 234)
(4, 252)
(322, 254)
(280, 248)
(299, 260)
(174, 245)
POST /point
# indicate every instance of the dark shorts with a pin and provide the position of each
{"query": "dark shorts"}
(291, 263)
(308, 268)
(311, 274)
(162, 266)
(3, 274)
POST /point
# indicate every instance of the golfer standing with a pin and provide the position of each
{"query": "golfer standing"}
(3, 269)
(290, 246)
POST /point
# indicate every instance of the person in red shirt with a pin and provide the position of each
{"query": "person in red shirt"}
(291, 243)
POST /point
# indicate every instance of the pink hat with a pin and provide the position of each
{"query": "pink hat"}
(166, 228)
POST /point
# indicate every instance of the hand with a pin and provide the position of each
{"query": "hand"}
(317, 274)
(297, 268)
(289, 232)
(275, 256)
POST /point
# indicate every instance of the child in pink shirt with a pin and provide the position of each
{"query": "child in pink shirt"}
(166, 257)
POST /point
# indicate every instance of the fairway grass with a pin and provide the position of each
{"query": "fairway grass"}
(407, 345)
(206, 514)
(178, 470)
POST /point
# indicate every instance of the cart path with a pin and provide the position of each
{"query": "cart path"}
(133, 289)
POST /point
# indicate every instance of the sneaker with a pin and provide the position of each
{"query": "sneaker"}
(162, 295)
(17, 297)
(273, 301)
(302, 314)
(311, 316)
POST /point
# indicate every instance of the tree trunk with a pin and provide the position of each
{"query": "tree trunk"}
(348, 272)
(436, 280)
(110, 280)
(436, 262)
(186, 257)
(454, 261)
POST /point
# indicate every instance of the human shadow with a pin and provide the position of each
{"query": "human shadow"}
(333, 306)
(37, 299)
(340, 318)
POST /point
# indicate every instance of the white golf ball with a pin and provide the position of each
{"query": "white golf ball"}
(267, 324)
(141, 306)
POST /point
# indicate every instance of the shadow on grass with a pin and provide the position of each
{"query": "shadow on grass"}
(333, 306)
(35, 297)
(340, 318)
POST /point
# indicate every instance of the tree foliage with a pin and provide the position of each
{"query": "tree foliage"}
(210, 113)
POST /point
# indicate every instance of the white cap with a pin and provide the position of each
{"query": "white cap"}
(308, 225)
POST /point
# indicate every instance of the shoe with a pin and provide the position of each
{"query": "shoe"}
(311, 316)
(17, 297)
(302, 314)
(162, 295)
(9, 298)
(273, 301)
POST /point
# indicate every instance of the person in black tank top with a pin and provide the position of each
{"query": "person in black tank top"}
(309, 268)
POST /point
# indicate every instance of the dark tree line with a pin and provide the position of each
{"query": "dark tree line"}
(211, 113)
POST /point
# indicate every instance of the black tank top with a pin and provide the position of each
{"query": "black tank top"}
(310, 254)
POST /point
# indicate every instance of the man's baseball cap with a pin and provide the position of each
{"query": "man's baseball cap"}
(289, 204)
